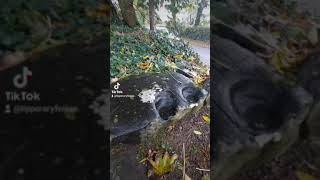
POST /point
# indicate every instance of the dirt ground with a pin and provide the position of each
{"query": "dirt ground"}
(298, 159)
(197, 147)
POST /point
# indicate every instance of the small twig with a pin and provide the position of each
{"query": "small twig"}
(207, 170)
(184, 161)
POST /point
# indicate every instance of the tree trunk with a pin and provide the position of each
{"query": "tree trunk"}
(202, 5)
(114, 14)
(128, 12)
(174, 21)
(152, 15)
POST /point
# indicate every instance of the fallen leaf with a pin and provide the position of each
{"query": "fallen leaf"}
(197, 132)
(199, 80)
(278, 59)
(191, 58)
(179, 56)
(304, 176)
(206, 118)
(146, 66)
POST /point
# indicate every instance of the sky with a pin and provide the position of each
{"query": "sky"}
(164, 13)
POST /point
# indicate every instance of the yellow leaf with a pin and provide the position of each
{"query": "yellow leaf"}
(146, 66)
(179, 56)
(304, 176)
(276, 59)
(145, 57)
(284, 60)
(197, 132)
(199, 80)
(163, 164)
(206, 118)
(190, 58)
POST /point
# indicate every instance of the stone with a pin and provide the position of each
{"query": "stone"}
(228, 55)
(257, 115)
(155, 98)
(255, 121)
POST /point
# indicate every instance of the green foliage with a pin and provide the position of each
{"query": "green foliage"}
(134, 51)
(144, 3)
(163, 164)
(176, 5)
(27, 24)
(196, 33)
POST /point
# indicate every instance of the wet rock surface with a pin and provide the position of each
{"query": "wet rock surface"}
(231, 56)
(153, 97)
(257, 116)
(254, 125)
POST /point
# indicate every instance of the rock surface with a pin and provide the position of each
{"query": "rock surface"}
(143, 99)
(257, 116)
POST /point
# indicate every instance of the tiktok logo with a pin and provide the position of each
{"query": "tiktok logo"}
(21, 80)
(116, 91)
(116, 87)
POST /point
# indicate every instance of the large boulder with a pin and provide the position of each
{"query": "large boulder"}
(230, 55)
(138, 101)
(255, 121)
(257, 116)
